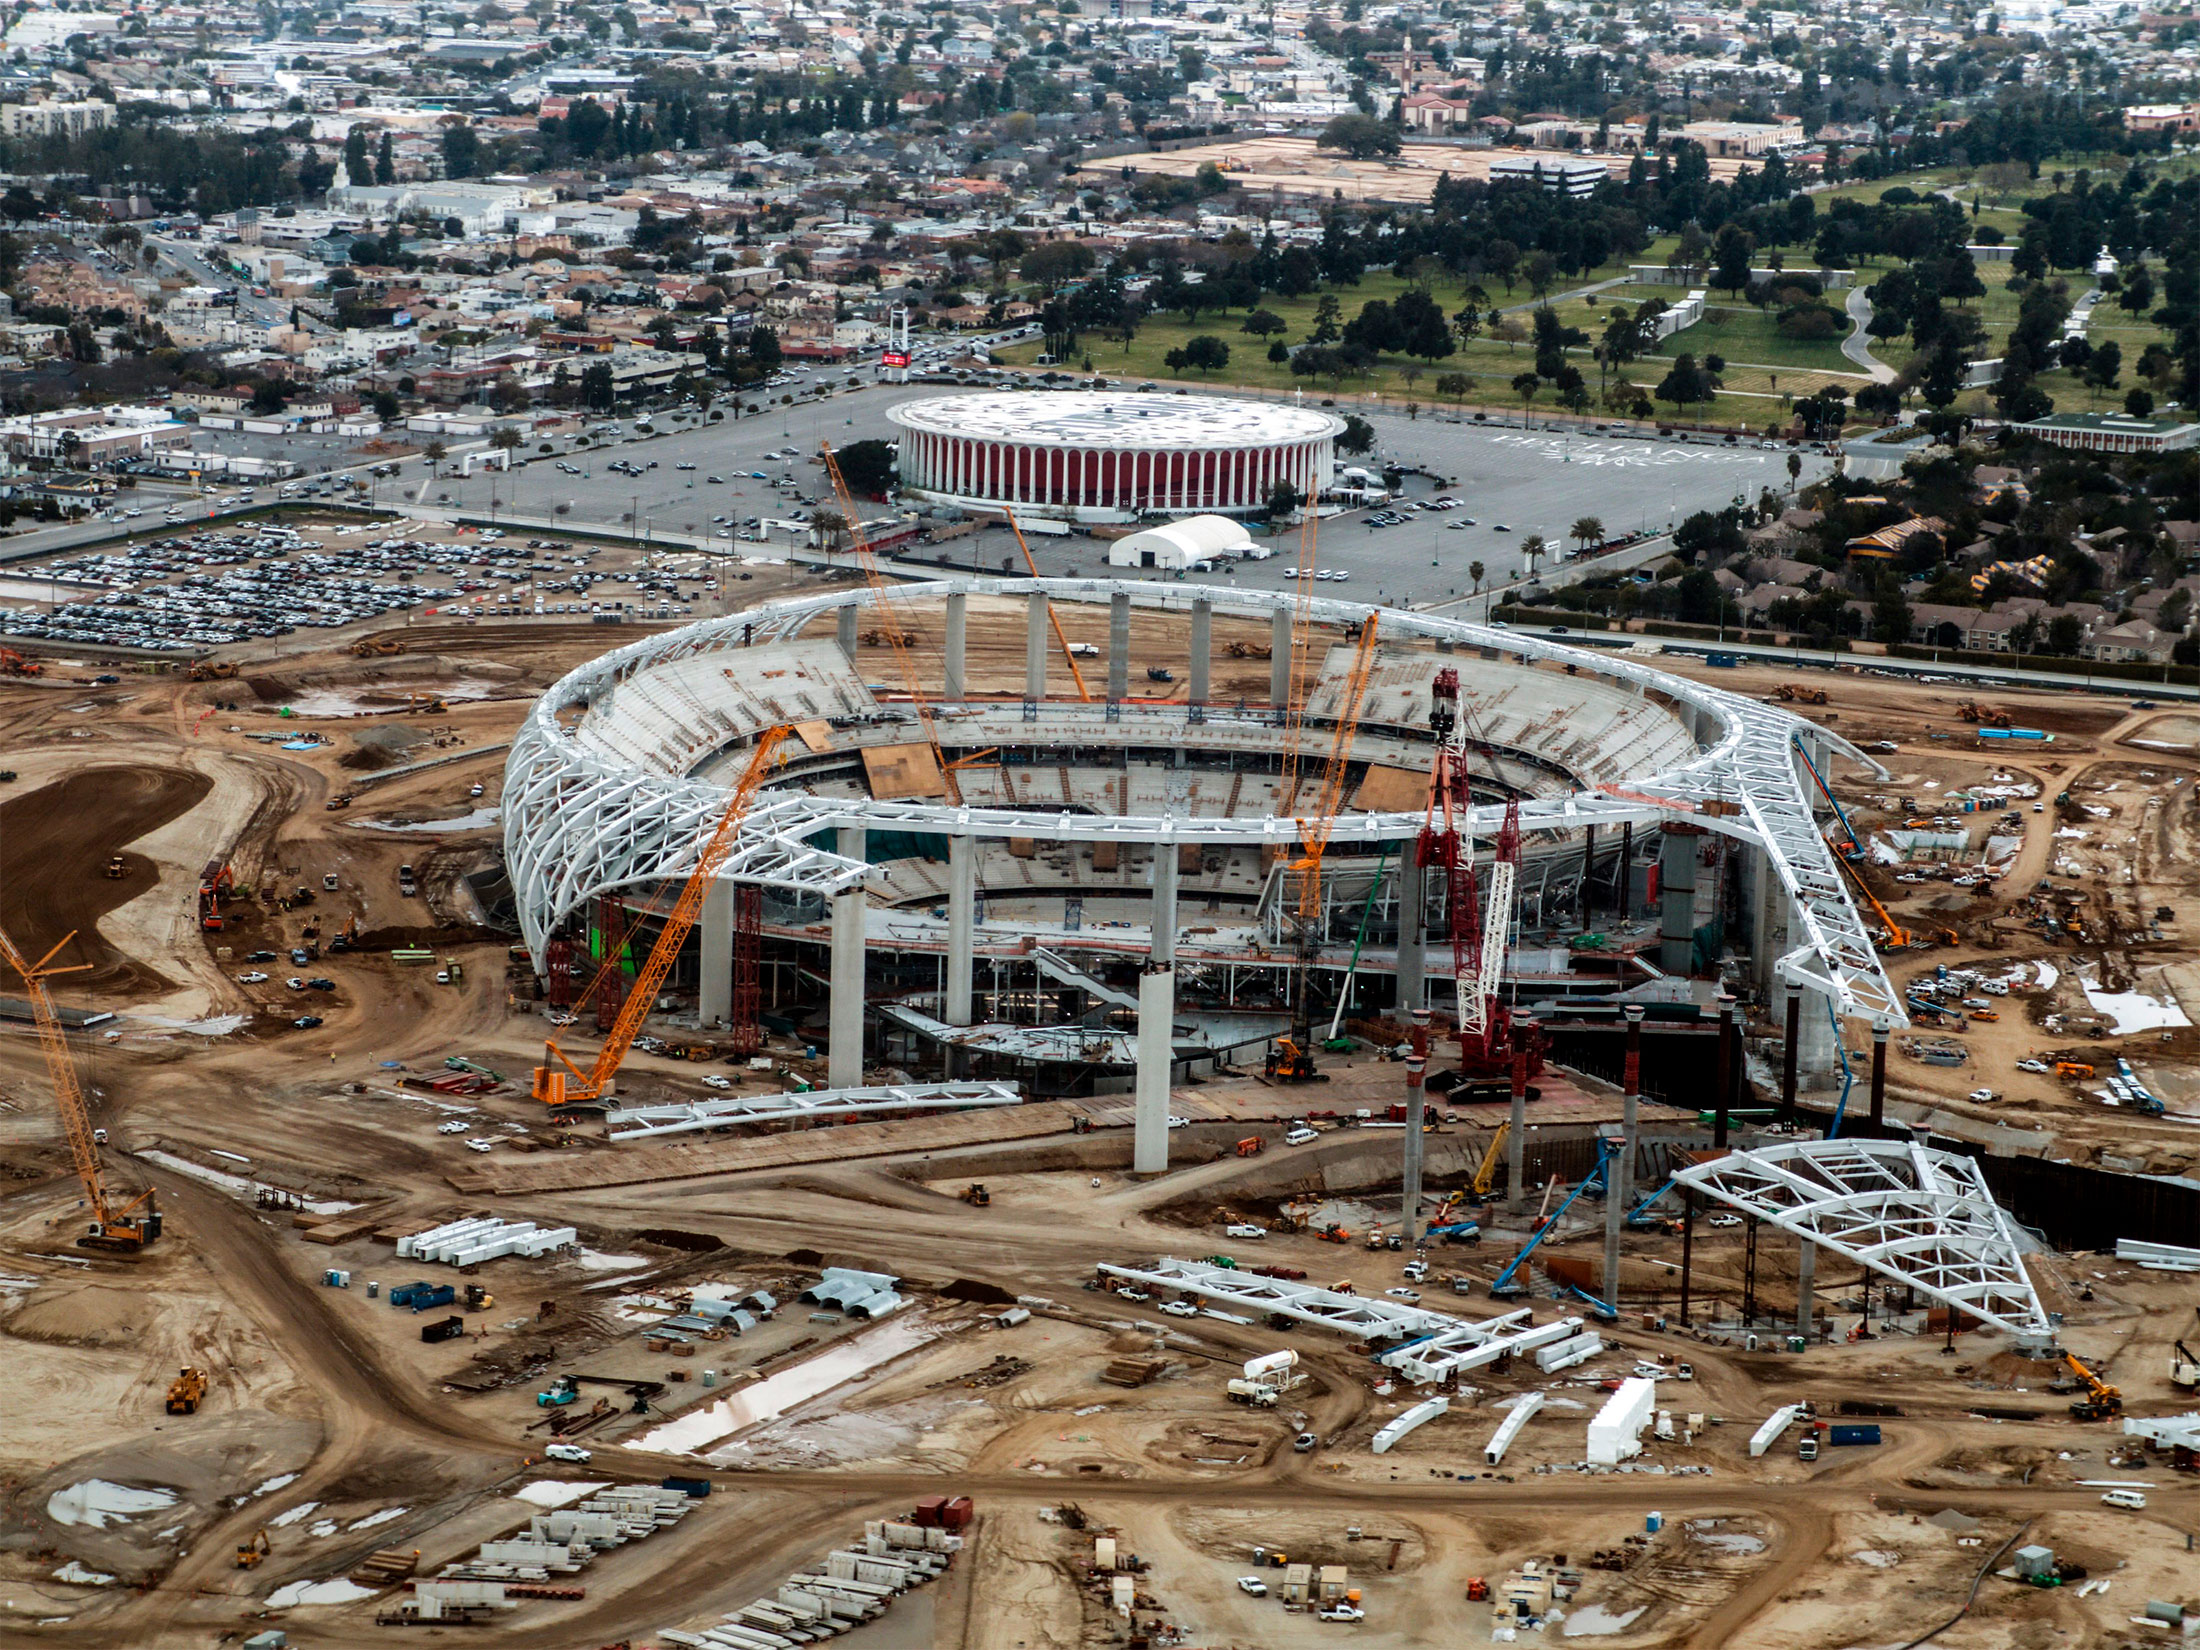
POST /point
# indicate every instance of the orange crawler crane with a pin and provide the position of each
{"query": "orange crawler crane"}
(114, 1225)
(559, 1082)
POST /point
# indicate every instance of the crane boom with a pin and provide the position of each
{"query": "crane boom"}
(556, 1087)
(1314, 832)
(114, 1226)
(1302, 648)
(882, 597)
(1054, 618)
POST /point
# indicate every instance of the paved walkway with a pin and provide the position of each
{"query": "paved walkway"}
(1857, 345)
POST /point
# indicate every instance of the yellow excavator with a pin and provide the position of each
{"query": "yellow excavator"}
(117, 1226)
(250, 1553)
(2100, 1401)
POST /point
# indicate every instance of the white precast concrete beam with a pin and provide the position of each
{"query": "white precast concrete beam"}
(1493, 1453)
(1418, 1416)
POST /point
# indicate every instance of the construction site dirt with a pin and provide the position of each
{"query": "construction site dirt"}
(287, 1156)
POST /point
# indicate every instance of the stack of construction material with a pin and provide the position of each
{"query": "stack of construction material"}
(478, 1238)
(852, 1586)
(386, 1567)
(1132, 1371)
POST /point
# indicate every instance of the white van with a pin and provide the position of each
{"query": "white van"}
(2129, 1500)
(1300, 1137)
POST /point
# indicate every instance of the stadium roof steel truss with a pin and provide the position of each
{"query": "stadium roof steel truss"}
(1918, 1216)
(578, 822)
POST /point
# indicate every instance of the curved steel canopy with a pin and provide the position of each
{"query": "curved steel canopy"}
(577, 823)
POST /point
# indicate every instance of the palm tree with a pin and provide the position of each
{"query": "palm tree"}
(1475, 570)
(1525, 384)
(1533, 550)
(435, 453)
(1587, 532)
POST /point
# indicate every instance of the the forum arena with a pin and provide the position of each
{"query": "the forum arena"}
(1100, 458)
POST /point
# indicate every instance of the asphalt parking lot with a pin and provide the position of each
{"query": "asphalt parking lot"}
(1511, 482)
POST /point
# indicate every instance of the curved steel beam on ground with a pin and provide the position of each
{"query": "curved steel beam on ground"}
(578, 823)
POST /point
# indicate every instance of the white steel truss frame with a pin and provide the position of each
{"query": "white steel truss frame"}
(1436, 1344)
(1921, 1217)
(683, 1117)
(578, 822)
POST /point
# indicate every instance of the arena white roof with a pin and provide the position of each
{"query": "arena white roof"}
(1080, 418)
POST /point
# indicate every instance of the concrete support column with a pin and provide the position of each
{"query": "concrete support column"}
(951, 664)
(1203, 649)
(1806, 1275)
(1677, 899)
(1818, 1047)
(1516, 1139)
(847, 619)
(1279, 660)
(1766, 902)
(714, 981)
(962, 915)
(1619, 1178)
(1409, 1202)
(1035, 648)
(844, 1028)
(1119, 646)
(1790, 1050)
(1164, 903)
(1880, 1028)
(1729, 1069)
(1412, 929)
(1150, 1111)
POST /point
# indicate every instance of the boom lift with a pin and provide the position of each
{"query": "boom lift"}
(1503, 1287)
(115, 1226)
(1485, 1177)
(889, 614)
(572, 1086)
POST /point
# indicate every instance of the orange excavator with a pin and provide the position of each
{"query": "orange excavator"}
(558, 1081)
(121, 1227)
(13, 663)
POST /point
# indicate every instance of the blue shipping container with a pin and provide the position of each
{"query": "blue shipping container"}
(1853, 1435)
(696, 1488)
(425, 1298)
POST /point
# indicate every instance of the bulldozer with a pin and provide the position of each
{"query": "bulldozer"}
(977, 1196)
(187, 1391)
(117, 868)
(251, 1552)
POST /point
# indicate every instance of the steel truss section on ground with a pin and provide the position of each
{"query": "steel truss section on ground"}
(578, 822)
(686, 1116)
(1921, 1217)
(1436, 1344)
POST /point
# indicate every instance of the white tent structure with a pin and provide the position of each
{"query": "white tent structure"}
(1918, 1216)
(1177, 545)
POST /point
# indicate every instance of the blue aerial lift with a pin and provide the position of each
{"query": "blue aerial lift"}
(1608, 1148)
